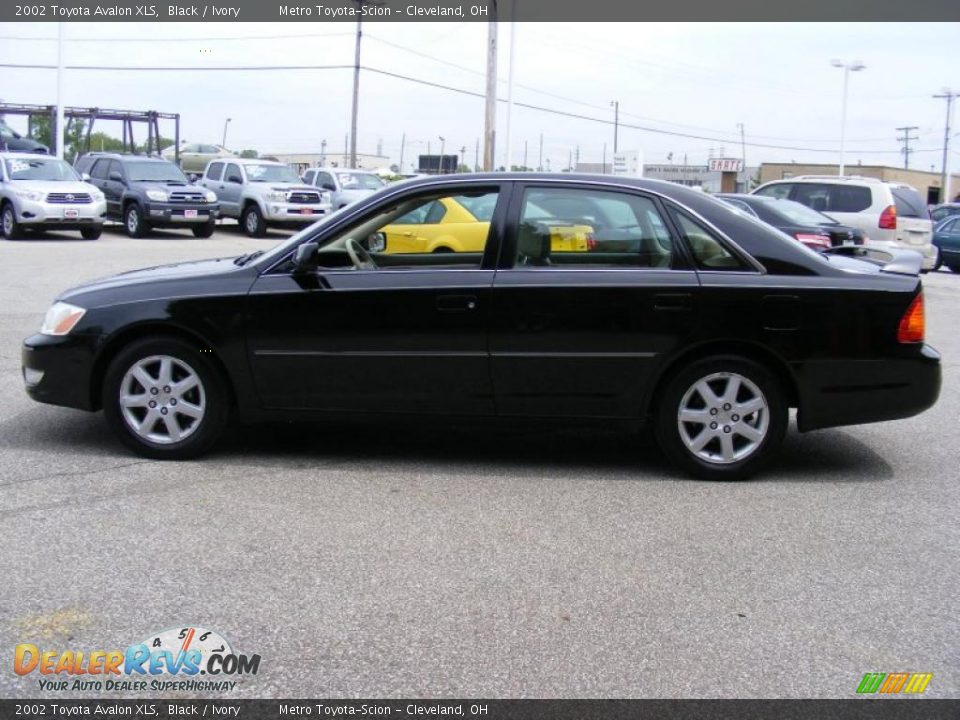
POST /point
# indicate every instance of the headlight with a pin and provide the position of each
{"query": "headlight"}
(97, 196)
(158, 195)
(211, 197)
(61, 319)
(276, 197)
(28, 194)
(326, 197)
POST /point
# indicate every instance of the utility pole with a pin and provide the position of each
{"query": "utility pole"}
(56, 133)
(616, 122)
(513, 36)
(403, 142)
(603, 163)
(906, 140)
(577, 158)
(524, 155)
(443, 142)
(540, 163)
(947, 95)
(463, 156)
(323, 153)
(490, 111)
(570, 161)
(356, 91)
(476, 157)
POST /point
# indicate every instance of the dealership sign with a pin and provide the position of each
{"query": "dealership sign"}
(726, 165)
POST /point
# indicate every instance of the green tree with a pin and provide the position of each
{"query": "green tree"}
(73, 140)
(249, 153)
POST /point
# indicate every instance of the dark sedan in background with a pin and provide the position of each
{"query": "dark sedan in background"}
(704, 323)
(946, 238)
(814, 229)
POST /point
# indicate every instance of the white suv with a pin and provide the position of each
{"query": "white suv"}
(890, 214)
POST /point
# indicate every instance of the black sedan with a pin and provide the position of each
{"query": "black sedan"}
(710, 327)
(814, 229)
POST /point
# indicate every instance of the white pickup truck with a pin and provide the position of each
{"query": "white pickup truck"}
(264, 193)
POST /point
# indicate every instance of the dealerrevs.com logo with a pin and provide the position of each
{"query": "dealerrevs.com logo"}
(190, 659)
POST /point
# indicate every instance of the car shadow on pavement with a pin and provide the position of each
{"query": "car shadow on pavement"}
(824, 456)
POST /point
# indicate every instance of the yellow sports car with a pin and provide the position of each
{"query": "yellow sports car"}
(461, 224)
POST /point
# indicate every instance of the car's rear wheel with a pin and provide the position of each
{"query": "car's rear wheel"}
(165, 400)
(133, 221)
(722, 417)
(252, 222)
(91, 233)
(205, 230)
(12, 230)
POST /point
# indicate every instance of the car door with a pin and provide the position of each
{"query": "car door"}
(581, 333)
(409, 336)
(229, 189)
(110, 174)
(948, 240)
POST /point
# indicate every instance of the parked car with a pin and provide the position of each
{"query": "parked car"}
(194, 157)
(12, 141)
(145, 192)
(264, 193)
(45, 193)
(814, 229)
(946, 237)
(889, 214)
(712, 347)
(462, 223)
(943, 211)
(344, 186)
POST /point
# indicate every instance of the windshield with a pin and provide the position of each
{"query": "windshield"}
(154, 172)
(272, 173)
(40, 169)
(800, 214)
(359, 181)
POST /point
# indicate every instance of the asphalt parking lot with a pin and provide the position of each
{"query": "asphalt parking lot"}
(406, 561)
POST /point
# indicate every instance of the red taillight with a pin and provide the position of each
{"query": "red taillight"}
(913, 322)
(888, 218)
(591, 242)
(814, 240)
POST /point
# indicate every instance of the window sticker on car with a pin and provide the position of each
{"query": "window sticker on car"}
(16, 166)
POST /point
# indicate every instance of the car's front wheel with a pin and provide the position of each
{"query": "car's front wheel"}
(133, 221)
(205, 230)
(12, 230)
(164, 399)
(722, 417)
(252, 222)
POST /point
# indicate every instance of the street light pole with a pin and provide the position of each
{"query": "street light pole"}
(947, 95)
(57, 136)
(223, 143)
(443, 142)
(848, 68)
(616, 122)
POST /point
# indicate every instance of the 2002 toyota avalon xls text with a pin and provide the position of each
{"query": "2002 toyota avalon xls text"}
(677, 309)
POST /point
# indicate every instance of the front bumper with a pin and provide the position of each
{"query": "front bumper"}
(851, 392)
(159, 214)
(32, 213)
(58, 370)
(294, 213)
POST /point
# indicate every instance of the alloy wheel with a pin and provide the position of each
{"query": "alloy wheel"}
(723, 418)
(162, 399)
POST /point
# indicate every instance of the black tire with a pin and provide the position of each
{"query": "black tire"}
(133, 222)
(681, 383)
(91, 233)
(939, 263)
(252, 222)
(954, 268)
(205, 230)
(212, 395)
(12, 230)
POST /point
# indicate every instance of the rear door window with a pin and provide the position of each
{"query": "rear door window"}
(215, 171)
(779, 191)
(909, 203)
(834, 198)
(99, 169)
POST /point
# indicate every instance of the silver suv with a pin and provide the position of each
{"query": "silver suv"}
(264, 193)
(890, 214)
(40, 192)
(345, 186)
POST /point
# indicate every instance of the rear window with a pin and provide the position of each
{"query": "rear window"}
(834, 198)
(908, 202)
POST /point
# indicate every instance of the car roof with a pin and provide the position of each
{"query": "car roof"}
(250, 161)
(124, 156)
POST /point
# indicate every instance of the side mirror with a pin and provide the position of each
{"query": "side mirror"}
(328, 186)
(85, 177)
(377, 242)
(305, 258)
(193, 177)
(235, 179)
(116, 177)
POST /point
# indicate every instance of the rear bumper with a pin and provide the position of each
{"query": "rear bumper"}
(927, 250)
(851, 392)
(57, 370)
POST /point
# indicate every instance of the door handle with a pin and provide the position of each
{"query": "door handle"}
(456, 303)
(673, 302)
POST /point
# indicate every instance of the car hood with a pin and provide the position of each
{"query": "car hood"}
(55, 186)
(156, 185)
(148, 282)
